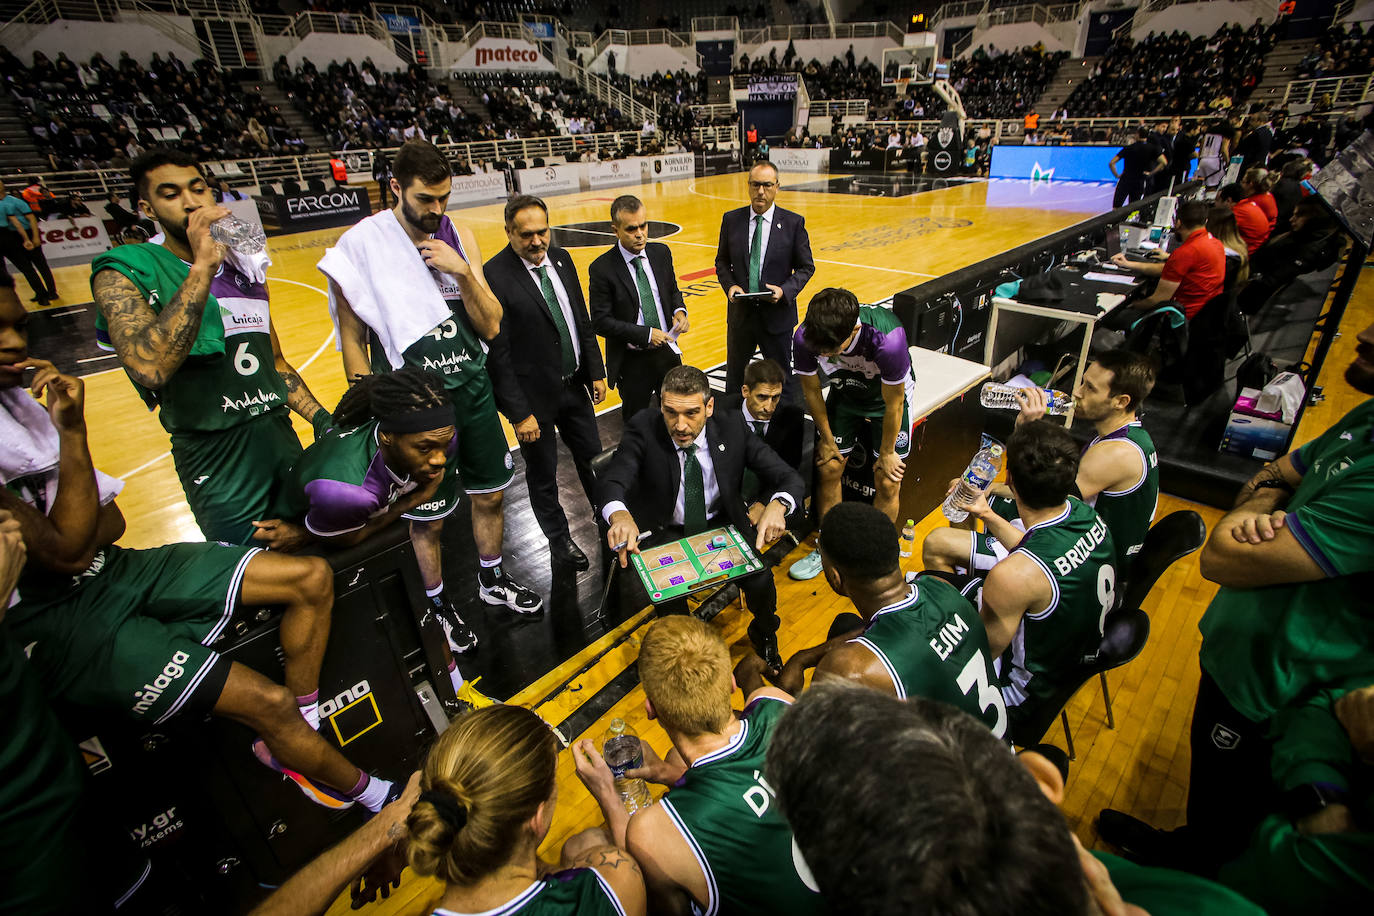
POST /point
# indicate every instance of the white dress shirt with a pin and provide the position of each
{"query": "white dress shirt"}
(664, 324)
(767, 233)
(750, 420)
(561, 294)
(708, 479)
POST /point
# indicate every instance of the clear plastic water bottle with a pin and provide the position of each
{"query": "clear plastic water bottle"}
(1001, 396)
(621, 748)
(979, 475)
(243, 237)
(908, 542)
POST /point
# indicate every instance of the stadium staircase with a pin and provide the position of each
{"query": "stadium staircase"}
(18, 153)
(293, 117)
(471, 103)
(1071, 72)
(1280, 69)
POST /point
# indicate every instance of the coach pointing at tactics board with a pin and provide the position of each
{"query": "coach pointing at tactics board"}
(546, 341)
(763, 250)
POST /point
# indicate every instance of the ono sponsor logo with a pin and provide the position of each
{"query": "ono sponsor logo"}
(344, 698)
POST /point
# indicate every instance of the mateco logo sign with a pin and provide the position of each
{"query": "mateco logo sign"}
(507, 55)
(171, 672)
(74, 234)
(313, 204)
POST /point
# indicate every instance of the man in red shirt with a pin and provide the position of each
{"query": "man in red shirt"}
(1194, 272)
(1252, 222)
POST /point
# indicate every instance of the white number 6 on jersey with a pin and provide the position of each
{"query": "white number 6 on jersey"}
(246, 363)
(975, 673)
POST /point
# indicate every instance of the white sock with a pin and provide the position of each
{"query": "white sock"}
(436, 591)
(373, 795)
(456, 677)
(311, 712)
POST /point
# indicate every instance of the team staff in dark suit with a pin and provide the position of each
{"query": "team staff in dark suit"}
(680, 473)
(781, 426)
(546, 343)
(637, 306)
(762, 248)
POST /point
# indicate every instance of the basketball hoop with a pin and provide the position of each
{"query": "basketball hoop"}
(901, 87)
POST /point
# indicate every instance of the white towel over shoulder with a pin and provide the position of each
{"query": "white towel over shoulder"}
(388, 286)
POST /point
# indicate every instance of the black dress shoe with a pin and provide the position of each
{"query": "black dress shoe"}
(1138, 841)
(766, 645)
(565, 550)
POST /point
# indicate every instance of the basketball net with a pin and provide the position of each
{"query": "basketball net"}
(901, 87)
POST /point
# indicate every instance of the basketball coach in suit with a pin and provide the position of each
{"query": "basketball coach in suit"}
(550, 367)
(679, 472)
(762, 248)
(637, 306)
(781, 426)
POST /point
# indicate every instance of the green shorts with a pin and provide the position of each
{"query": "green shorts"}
(847, 424)
(135, 634)
(483, 463)
(231, 477)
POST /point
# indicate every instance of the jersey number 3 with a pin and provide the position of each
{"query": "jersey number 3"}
(975, 674)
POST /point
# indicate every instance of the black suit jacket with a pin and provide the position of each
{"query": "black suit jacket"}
(785, 430)
(645, 473)
(787, 264)
(615, 300)
(525, 360)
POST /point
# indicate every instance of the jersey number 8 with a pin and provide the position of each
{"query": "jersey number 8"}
(1106, 594)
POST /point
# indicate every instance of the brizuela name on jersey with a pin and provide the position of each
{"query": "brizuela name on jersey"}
(1082, 550)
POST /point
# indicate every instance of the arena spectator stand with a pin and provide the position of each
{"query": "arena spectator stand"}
(1342, 51)
(1175, 74)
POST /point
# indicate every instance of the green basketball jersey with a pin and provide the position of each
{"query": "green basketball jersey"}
(1129, 512)
(878, 355)
(211, 393)
(933, 645)
(728, 815)
(580, 891)
(1076, 553)
(1268, 646)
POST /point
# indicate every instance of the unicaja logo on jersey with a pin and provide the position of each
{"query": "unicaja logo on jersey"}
(150, 693)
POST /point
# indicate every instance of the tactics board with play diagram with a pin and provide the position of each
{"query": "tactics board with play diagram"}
(683, 566)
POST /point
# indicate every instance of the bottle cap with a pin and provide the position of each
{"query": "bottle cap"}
(910, 522)
(995, 449)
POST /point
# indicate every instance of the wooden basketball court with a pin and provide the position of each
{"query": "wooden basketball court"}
(873, 237)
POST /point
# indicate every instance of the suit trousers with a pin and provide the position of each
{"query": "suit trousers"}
(744, 333)
(1130, 188)
(41, 264)
(575, 421)
(641, 374)
(759, 590)
(12, 248)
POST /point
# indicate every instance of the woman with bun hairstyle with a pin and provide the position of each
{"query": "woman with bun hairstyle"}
(487, 800)
(1259, 187)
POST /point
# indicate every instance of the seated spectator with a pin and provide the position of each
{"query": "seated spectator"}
(910, 638)
(1194, 272)
(1258, 183)
(1221, 223)
(1288, 190)
(1118, 473)
(103, 623)
(1044, 605)
(1313, 243)
(1252, 221)
(487, 800)
(715, 842)
(952, 804)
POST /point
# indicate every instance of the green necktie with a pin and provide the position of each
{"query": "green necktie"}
(646, 295)
(756, 255)
(693, 494)
(760, 428)
(564, 338)
(750, 487)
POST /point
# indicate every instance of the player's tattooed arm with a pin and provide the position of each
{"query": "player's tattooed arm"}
(298, 395)
(151, 345)
(618, 869)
